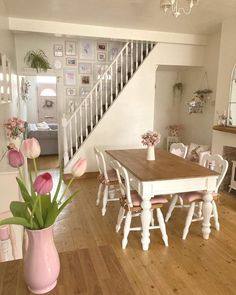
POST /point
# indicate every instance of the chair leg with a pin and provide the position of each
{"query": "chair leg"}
(181, 202)
(152, 218)
(105, 198)
(171, 208)
(126, 229)
(215, 214)
(188, 220)
(162, 226)
(200, 209)
(99, 194)
(120, 218)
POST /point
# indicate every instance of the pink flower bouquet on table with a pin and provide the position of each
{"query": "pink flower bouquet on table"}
(15, 127)
(37, 212)
(151, 138)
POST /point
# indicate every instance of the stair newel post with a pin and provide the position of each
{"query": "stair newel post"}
(121, 70)
(86, 117)
(96, 104)
(136, 56)
(65, 142)
(76, 132)
(71, 139)
(132, 57)
(116, 77)
(106, 77)
(91, 111)
(141, 51)
(101, 102)
(126, 63)
(111, 84)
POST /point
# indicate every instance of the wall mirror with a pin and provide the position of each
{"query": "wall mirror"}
(5, 79)
(232, 100)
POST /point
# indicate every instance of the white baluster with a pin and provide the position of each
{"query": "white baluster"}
(65, 142)
(146, 49)
(101, 102)
(136, 55)
(76, 132)
(126, 63)
(96, 104)
(116, 78)
(86, 118)
(91, 111)
(71, 139)
(81, 125)
(132, 58)
(121, 71)
(111, 84)
(141, 51)
(106, 77)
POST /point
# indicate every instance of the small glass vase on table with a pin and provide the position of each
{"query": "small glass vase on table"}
(37, 213)
(151, 139)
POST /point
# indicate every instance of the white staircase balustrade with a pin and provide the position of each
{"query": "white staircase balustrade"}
(87, 115)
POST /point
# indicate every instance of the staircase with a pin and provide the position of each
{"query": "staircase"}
(88, 114)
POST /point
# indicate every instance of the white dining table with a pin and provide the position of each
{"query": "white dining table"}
(167, 174)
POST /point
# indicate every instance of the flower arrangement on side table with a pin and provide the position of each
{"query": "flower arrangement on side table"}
(150, 139)
(37, 212)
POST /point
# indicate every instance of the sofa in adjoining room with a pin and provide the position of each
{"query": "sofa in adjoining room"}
(47, 135)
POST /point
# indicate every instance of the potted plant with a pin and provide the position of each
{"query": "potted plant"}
(37, 212)
(150, 139)
(37, 60)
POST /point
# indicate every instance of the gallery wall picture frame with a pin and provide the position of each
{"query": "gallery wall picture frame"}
(99, 70)
(101, 46)
(85, 68)
(113, 52)
(71, 91)
(70, 48)
(71, 61)
(70, 77)
(102, 56)
(85, 79)
(86, 49)
(84, 91)
(58, 50)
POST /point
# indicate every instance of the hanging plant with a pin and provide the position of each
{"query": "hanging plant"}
(37, 60)
(178, 89)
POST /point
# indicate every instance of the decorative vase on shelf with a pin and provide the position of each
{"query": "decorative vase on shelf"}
(41, 261)
(151, 153)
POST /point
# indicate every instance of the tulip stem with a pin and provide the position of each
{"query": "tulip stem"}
(21, 174)
(35, 168)
(66, 189)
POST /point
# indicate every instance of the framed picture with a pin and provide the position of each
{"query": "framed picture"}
(86, 50)
(101, 56)
(58, 50)
(99, 70)
(85, 79)
(70, 91)
(71, 105)
(70, 48)
(113, 51)
(69, 77)
(84, 91)
(71, 61)
(101, 46)
(85, 68)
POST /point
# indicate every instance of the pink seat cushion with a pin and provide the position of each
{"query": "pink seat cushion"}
(137, 200)
(112, 176)
(195, 196)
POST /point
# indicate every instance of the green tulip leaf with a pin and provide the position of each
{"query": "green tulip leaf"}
(58, 187)
(24, 192)
(45, 205)
(20, 209)
(52, 214)
(16, 220)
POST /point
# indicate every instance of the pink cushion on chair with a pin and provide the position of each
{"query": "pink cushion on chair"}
(112, 176)
(137, 200)
(195, 196)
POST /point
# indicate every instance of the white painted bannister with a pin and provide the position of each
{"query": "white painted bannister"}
(87, 115)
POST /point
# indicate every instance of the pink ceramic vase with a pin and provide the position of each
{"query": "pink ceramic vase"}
(41, 261)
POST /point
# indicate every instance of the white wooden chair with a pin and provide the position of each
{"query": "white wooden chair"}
(107, 179)
(8, 247)
(179, 149)
(131, 207)
(213, 162)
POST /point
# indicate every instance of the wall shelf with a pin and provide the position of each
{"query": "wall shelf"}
(226, 129)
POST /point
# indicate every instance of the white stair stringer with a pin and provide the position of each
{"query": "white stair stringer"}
(82, 123)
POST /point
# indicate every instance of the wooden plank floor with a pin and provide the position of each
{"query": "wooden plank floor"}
(194, 266)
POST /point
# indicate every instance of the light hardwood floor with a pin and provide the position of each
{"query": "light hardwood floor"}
(194, 266)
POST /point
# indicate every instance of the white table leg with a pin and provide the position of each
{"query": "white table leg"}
(146, 220)
(206, 211)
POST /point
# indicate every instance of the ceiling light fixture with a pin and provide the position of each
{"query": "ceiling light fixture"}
(173, 6)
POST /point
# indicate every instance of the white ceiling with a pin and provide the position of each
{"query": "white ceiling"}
(137, 14)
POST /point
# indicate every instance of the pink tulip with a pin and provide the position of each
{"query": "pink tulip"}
(43, 184)
(79, 168)
(31, 148)
(15, 158)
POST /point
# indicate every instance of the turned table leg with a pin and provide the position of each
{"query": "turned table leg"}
(146, 219)
(206, 211)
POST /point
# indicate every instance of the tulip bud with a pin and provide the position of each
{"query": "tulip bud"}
(79, 168)
(15, 158)
(31, 148)
(43, 184)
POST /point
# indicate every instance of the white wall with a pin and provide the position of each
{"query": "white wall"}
(133, 112)
(7, 47)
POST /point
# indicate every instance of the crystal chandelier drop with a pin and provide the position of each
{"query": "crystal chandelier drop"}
(174, 7)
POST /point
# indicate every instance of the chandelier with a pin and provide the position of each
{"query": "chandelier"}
(174, 7)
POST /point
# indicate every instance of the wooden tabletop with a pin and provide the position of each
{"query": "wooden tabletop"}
(166, 166)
